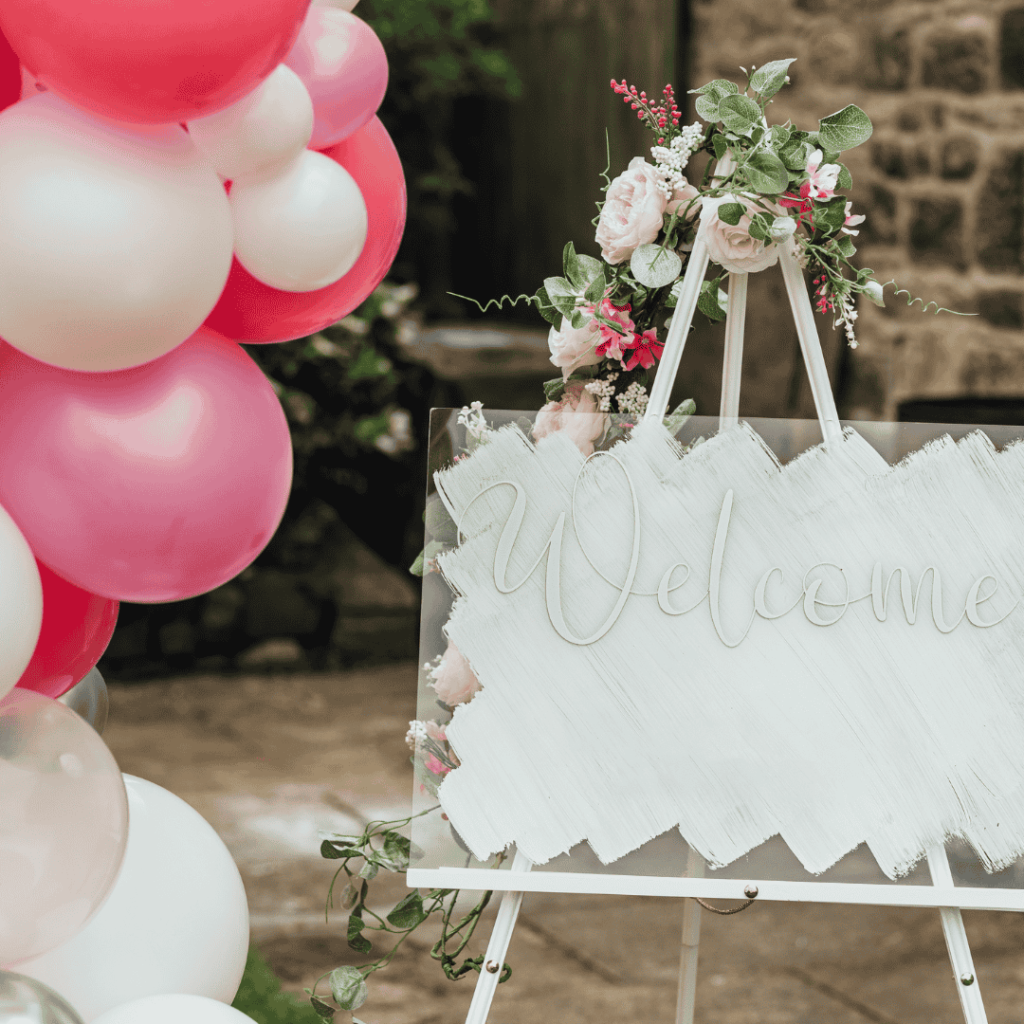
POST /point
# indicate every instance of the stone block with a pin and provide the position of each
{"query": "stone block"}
(958, 159)
(898, 159)
(1002, 307)
(1011, 48)
(956, 60)
(1000, 214)
(937, 232)
(880, 210)
(891, 64)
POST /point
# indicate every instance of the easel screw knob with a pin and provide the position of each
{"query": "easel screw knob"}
(492, 968)
(966, 979)
(750, 892)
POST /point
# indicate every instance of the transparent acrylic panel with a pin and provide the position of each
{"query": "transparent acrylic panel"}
(435, 844)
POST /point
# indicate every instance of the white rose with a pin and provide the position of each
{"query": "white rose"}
(572, 348)
(731, 245)
(633, 211)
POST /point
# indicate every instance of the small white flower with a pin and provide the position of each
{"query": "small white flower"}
(873, 290)
(782, 229)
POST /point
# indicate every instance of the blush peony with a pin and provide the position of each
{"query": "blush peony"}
(576, 415)
(633, 211)
(454, 681)
(572, 348)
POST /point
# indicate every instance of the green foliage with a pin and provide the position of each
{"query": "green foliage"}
(260, 996)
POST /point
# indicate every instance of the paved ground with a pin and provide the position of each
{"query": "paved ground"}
(270, 760)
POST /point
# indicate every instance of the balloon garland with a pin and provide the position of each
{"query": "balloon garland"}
(174, 179)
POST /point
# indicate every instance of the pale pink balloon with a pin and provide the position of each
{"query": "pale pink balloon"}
(150, 484)
(343, 65)
(63, 824)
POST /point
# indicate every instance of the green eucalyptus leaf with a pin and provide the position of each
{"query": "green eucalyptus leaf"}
(769, 78)
(721, 145)
(707, 108)
(844, 129)
(709, 301)
(559, 287)
(553, 389)
(546, 308)
(830, 216)
(845, 179)
(590, 268)
(570, 264)
(408, 913)
(846, 247)
(578, 319)
(719, 87)
(794, 154)
(332, 850)
(682, 412)
(766, 173)
(348, 987)
(323, 1010)
(395, 852)
(349, 896)
(655, 267)
(739, 113)
(758, 228)
(369, 870)
(779, 137)
(596, 288)
(730, 213)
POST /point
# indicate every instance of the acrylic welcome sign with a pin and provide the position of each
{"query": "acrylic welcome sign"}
(756, 659)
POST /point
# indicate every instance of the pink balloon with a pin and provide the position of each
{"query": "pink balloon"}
(256, 313)
(152, 62)
(63, 824)
(150, 484)
(343, 65)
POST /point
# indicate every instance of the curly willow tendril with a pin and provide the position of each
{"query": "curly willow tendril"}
(925, 307)
(499, 303)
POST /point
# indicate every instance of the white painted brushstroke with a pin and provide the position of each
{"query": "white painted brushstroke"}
(895, 734)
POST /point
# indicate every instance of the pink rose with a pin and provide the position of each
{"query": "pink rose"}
(686, 201)
(633, 211)
(454, 681)
(730, 245)
(571, 348)
(576, 415)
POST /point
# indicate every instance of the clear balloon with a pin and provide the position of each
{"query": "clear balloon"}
(255, 312)
(88, 699)
(150, 484)
(21, 604)
(174, 1009)
(27, 1001)
(115, 240)
(176, 919)
(77, 626)
(302, 229)
(262, 131)
(344, 67)
(151, 63)
(63, 824)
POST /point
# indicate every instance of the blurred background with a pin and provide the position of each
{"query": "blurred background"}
(504, 119)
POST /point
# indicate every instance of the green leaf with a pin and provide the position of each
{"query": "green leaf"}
(844, 129)
(707, 108)
(335, 850)
(779, 137)
(830, 216)
(395, 853)
(718, 87)
(323, 1010)
(596, 288)
(546, 308)
(708, 301)
(794, 154)
(408, 913)
(739, 113)
(571, 265)
(349, 896)
(846, 247)
(559, 287)
(766, 173)
(348, 986)
(369, 870)
(590, 268)
(553, 389)
(655, 267)
(759, 227)
(682, 412)
(721, 144)
(845, 179)
(731, 213)
(769, 78)
(578, 319)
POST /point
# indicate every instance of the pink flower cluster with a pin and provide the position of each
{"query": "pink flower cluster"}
(658, 115)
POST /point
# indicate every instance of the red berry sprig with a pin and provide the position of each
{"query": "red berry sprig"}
(657, 115)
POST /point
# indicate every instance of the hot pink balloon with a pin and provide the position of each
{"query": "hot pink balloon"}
(255, 313)
(342, 63)
(151, 63)
(155, 483)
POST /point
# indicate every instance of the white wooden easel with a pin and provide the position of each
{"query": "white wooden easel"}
(821, 390)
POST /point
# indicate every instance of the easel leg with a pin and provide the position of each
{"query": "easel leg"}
(960, 958)
(497, 948)
(691, 943)
(732, 366)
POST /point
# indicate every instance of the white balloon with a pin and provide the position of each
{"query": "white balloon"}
(301, 229)
(176, 919)
(262, 131)
(174, 1009)
(21, 604)
(115, 239)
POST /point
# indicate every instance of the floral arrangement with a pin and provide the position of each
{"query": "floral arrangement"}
(765, 189)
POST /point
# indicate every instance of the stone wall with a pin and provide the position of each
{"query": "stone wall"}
(941, 181)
